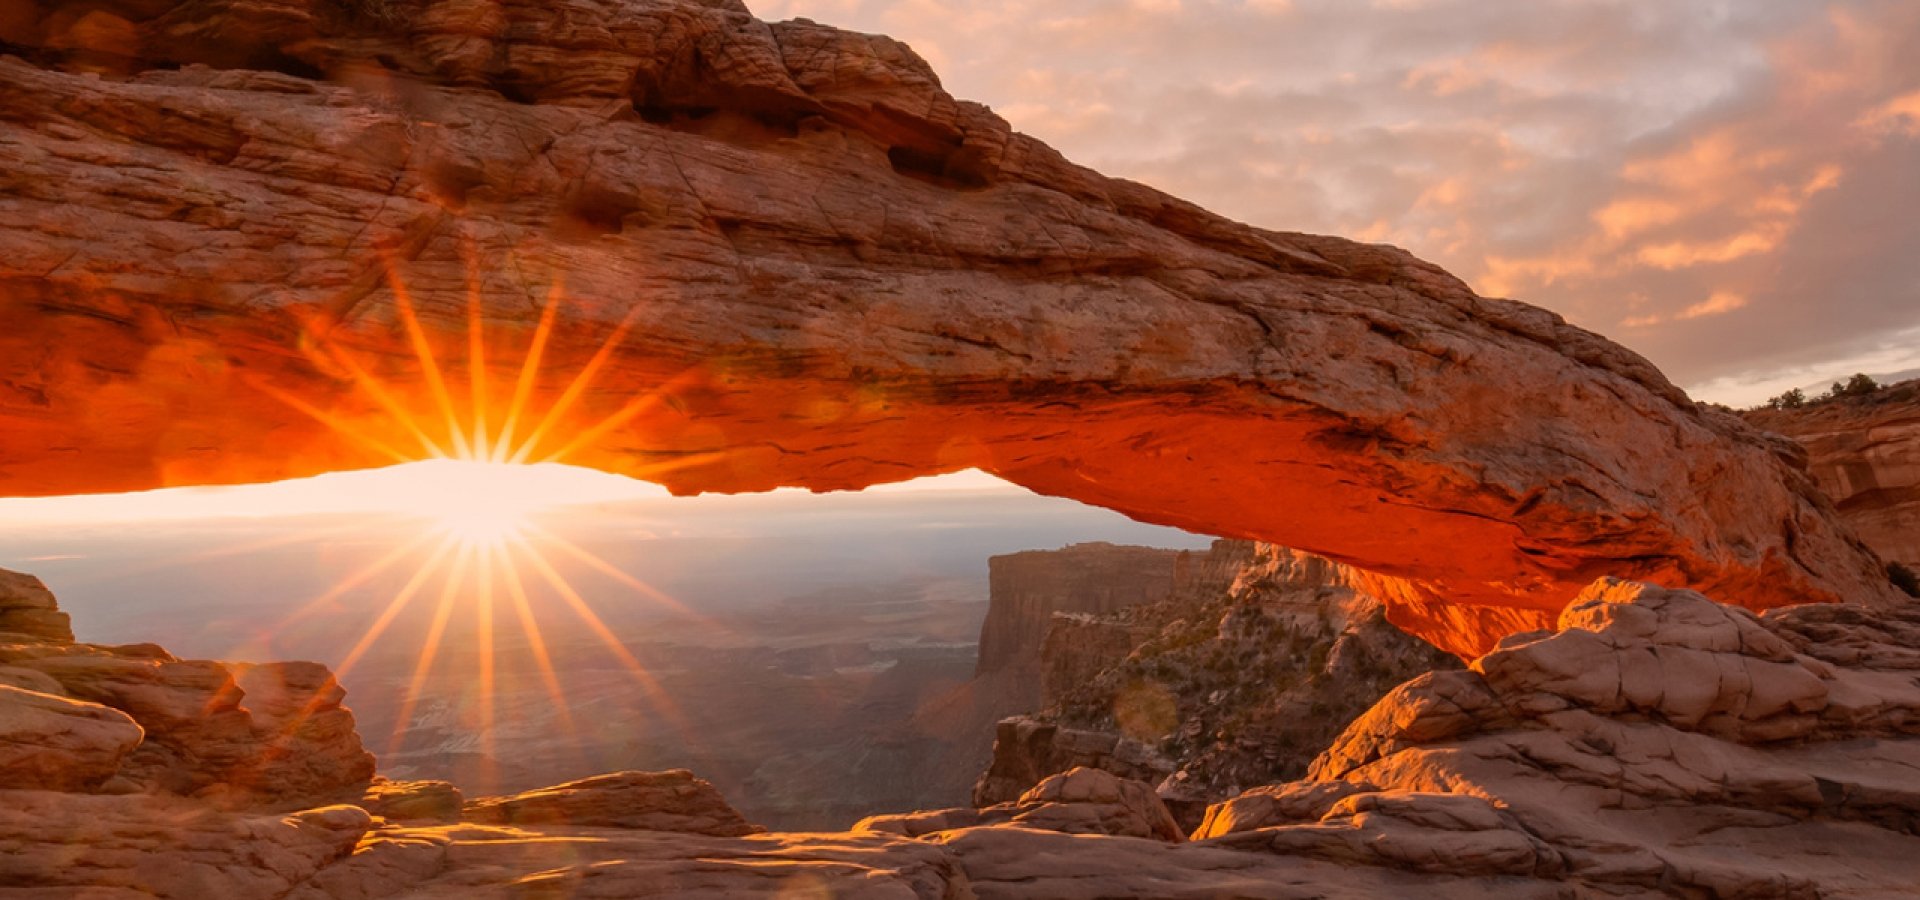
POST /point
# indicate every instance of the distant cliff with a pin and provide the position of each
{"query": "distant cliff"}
(1098, 579)
(1865, 454)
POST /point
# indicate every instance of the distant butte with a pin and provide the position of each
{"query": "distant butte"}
(826, 272)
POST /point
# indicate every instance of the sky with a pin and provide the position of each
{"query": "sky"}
(442, 489)
(1727, 186)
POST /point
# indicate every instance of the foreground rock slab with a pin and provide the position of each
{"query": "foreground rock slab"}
(223, 223)
(1659, 743)
(650, 801)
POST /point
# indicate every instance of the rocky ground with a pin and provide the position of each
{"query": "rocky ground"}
(1657, 744)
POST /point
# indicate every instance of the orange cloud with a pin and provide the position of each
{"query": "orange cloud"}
(1721, 303)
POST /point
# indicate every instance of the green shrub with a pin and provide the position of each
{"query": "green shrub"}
(1793, 399)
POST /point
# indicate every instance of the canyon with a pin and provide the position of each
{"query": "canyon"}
(1552, 628)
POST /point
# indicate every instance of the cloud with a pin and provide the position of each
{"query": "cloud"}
(1630, 165)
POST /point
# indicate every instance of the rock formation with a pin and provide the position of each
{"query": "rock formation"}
(1254, 662)
(28, 608)
(649, 801)
(1660, 742)
(135, 719)
(1028, 589)
(1659, 745)
(1075, 801)
(1865, 454)
(223, 223)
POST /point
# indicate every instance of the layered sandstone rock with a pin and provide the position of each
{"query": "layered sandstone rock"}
(138, 846)
(1028, 589)
(650, 801)
(28, 608)
(1077, 801)
(810, 266)
(1865, 454)
(1659, 743)
(52, 743)
(135, 718)
(1027, 750)
(1257, 660)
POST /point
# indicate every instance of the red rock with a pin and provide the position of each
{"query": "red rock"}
(28, 608)
(87, 847)
(271, 734)
(52, 743)
(1077, 801)
(650, 801)
(1865, 453)
(834, 273)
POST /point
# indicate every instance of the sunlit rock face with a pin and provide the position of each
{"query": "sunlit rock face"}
(244, 239)
(1659, 743)
(1865, 453)
(136, 719)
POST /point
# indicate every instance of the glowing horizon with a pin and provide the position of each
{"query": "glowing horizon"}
(423, 489)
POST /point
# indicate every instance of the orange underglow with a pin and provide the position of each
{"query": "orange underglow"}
(475, 444)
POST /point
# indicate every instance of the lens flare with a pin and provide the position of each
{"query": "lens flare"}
(479, 540)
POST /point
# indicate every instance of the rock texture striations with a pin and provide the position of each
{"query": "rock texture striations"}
(222, 222)
(1659, 743)
(1028, 589)
(135, 719)
(1865, 454)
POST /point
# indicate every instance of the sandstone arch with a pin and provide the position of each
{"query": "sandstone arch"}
(829, 273)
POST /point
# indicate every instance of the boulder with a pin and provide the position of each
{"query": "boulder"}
(1078, 801)
(650, 801)
(56, 744)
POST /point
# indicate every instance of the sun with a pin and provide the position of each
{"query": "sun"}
(482, 527)
(465, 457)
(474, 502)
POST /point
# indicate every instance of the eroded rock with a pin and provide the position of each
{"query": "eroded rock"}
(55, 744)
(28, 608)
(1661, 742)
(649, 801)
(246, 735)
(1865, 453)
(1078, 801)
(826, 272)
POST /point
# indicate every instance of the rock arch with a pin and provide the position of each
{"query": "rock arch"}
(823, 271)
